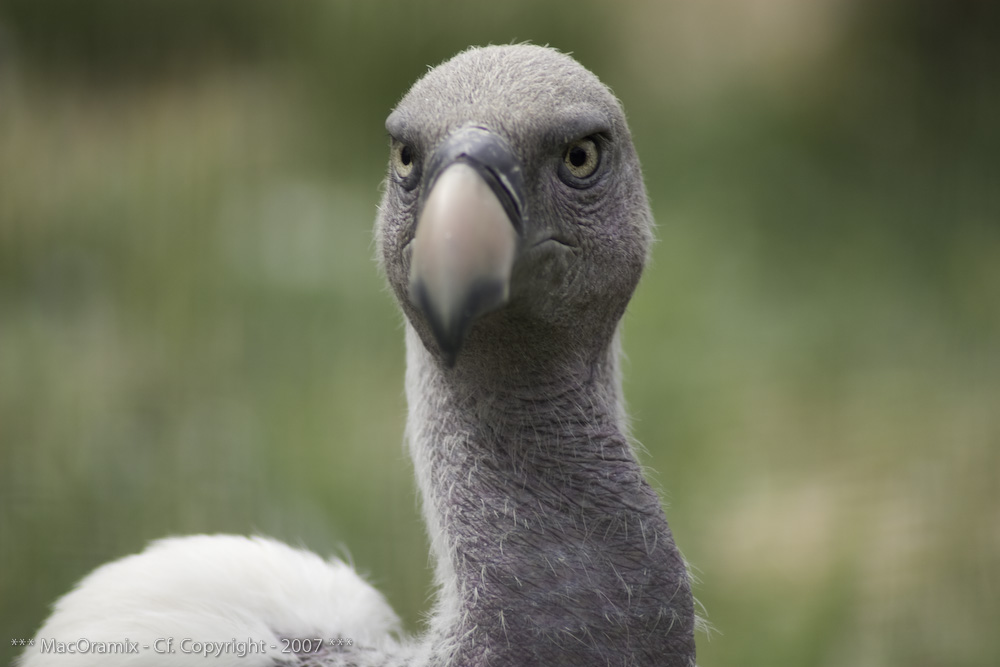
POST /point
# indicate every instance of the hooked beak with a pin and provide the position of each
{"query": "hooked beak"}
(468, 231)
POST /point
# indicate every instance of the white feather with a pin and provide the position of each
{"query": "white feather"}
(211, 588)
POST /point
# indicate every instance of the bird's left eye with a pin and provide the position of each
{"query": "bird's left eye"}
(582, 157)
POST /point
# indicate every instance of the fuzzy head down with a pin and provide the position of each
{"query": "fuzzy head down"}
(584, 239)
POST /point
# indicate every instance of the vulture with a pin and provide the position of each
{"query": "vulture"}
(513, 229)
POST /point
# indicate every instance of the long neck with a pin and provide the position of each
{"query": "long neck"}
(550, 546)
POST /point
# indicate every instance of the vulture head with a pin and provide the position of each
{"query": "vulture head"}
(514, 223)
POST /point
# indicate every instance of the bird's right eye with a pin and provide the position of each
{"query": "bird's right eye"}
(403, 161)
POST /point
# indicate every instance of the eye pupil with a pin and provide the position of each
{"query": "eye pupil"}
(580, 162)
(404, 164)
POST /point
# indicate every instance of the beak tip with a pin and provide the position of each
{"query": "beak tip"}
(451, 327)
(448, 329)
(449, 358)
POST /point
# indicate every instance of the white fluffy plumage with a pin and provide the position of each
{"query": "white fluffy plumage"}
(212, 588)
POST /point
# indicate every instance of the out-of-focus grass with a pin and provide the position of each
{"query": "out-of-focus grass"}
(194, 337)
(821, 331)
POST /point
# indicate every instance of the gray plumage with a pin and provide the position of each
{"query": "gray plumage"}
(513, 230)
(551, 548)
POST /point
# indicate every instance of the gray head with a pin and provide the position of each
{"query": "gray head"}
(514, 224)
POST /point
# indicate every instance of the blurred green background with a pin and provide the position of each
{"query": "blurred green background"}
(194, 336)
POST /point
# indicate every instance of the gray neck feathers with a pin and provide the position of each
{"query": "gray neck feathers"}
(550, 546)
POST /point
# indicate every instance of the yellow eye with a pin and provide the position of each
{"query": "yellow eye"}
(582, 158)
(402, 160)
